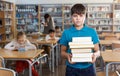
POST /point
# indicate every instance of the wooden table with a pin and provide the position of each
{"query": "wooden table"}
(104, 43)
(52, 44)
(108, 42)
(16, 55)
(111, 57)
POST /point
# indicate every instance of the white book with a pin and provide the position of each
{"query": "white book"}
(81, 50)
(82, 55)
(81, 59)
(79, 43)
(81, 39)
(82, 46)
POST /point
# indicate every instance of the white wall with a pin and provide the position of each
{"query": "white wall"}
(60, 1)
(13, 1)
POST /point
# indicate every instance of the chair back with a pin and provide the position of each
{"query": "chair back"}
(7, 72)
(115, 46)
(35, 36)
(107, 72)
(111, 38)
(2, 63)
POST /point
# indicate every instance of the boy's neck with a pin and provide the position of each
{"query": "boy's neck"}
(79, 27)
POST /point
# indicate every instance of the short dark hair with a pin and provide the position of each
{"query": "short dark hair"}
(57, 27)
(78, 9)
(19, 34)
(51, 30)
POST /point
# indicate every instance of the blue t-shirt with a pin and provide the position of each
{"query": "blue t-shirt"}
(67, 36)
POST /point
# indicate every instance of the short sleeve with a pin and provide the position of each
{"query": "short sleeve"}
(63, 40)
(95, 37)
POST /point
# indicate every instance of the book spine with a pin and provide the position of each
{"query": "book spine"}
(81, 59)
(82, 55)
(80, 43)
(77, 39)
(81, 50)
(82, 46)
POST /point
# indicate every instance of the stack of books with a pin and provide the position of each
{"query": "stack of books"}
(81, 49)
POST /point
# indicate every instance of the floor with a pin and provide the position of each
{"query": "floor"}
(59, 70)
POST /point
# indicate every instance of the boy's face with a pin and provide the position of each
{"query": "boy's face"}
(78, 19)
(21, 39)
(57, 30)
(52, 34)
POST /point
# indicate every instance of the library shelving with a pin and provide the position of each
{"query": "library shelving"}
(55, 10)
(27, 18)
(104, 17)
(66, 16)
(100, 16)
(6, 21)
(116, 17)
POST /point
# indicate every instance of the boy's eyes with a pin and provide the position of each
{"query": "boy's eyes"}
(76, 15)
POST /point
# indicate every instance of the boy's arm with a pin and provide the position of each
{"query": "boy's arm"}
(96, 53)
(96, 49)
(65, 54)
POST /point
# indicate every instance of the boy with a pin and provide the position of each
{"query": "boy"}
(79, 29)
(57, 31)
(51, 35)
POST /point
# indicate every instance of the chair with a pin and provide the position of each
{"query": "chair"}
(36, 36)
(111, 38)
(115, 46)
(2, 63)
(7, 72)
(107, 72)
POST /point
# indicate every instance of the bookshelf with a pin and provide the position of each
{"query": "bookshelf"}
(67, 16)
(27, 18)
(100, 16)
(54, 10)
(6, 21)
(116, 17)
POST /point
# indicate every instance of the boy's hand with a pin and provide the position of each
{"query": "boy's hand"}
(93, 58)
(15, 49)
(69, 56)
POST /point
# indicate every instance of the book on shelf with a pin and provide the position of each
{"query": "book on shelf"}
(82, 59)
(81, 50)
